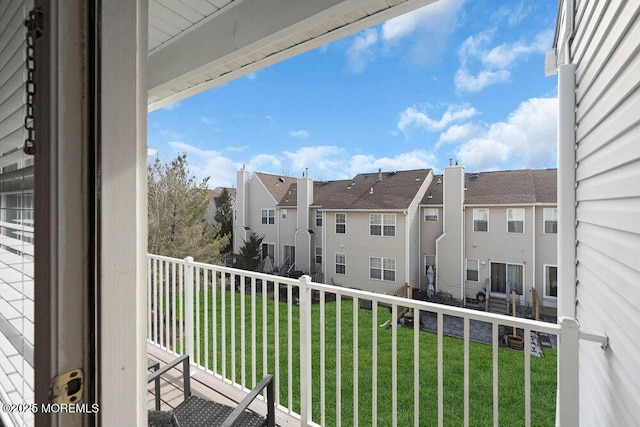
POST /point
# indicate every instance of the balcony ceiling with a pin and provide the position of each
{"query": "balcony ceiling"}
(195, 45)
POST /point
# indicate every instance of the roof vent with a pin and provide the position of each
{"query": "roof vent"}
(439, 181)
(379, 174)
(281, 179)
(417, 179)
(371, 190)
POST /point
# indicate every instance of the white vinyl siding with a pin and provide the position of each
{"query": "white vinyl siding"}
(605, 51)
(481, 220)
(382, 224)
(515, 220)
(550, 217)
(382, 269)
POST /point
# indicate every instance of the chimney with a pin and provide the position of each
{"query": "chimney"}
(379, 174)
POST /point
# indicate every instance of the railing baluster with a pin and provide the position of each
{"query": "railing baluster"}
(149, 304)
(156, 332)
(243, 345)
(214, 320)
(188, 309)
(440, 372)
(232, 286)
(276, 339)
(466, 371)
(289, 346)
(355, 361)
(416, 367)
(174, 296)
(306, 367)
(197, 359)
(323, 404)
(206, 318)
(338, 362)
(494, 346)
(527, 377)
(182, 311)
(394, 364)
(265, 340)
(167, 307)
(374, 363)
(160, 306)
(253, 332)
(223, 321)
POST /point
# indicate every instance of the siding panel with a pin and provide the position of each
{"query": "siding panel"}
(606, 50)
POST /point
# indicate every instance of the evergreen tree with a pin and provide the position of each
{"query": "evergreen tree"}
(248, 257)
(177, 207)
(224, 219)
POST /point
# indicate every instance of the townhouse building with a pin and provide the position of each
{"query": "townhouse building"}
(491, 231)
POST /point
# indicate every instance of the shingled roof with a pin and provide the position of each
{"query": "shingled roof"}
(525, 186)
(277, 185)
(384, 190)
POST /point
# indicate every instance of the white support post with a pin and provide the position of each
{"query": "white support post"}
(305, 350)
(567, 402)
(188, 309)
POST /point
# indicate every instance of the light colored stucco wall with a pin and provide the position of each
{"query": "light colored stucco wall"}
(258, 198)
(448, 249)
(358, 246)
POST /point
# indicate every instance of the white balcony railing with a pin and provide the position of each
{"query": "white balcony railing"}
(333, 362)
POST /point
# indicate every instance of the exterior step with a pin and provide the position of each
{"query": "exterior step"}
(498, 306)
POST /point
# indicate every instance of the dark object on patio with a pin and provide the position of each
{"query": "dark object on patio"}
(197, 412)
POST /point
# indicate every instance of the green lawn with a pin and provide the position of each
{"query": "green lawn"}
(511, 372)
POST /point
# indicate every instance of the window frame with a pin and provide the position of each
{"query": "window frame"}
(545, 268)
(515, 220)
(384, 226)
(343, 264)
(426, 265)
(467, 269)
(544, 220)
(344, 224)
(384, 268)
(268, 216)
(318, 218)
(269, 246)
(437, 215)
(316, 255)
(478, 210)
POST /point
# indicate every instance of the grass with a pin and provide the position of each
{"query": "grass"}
(511, 367)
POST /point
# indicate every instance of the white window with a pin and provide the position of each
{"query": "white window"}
(515, 220)
(551, 281)
(382, 269)
(284, 213)
(341, 223)
(550, 220)
(318, 218)
(431, 214)
(268, 216)
(382, 224)
(267, 249)
(318, 255)
(481, 220)
(472, 269)
(341, 264)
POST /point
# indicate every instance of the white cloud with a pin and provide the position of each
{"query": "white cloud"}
(526, 140)
(481, 66)
(299, 134)
(265, 163)
(151, 152)
(252, 76)
(467, 82)
(208, 163)
(325, 160)
(361, 50)
(458, 133)
(435, 17)
(417, 159)
(411, 118)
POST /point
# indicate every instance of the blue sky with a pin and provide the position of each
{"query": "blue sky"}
(456, 79)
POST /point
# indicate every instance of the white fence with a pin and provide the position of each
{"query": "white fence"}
(336, 363)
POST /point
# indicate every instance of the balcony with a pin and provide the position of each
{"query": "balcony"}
(340, 356)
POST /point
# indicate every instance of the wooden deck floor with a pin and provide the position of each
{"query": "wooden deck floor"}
(202, 385)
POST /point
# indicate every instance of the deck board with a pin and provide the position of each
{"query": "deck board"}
(203, 385)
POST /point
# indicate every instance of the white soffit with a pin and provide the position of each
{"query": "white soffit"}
(195, 45)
